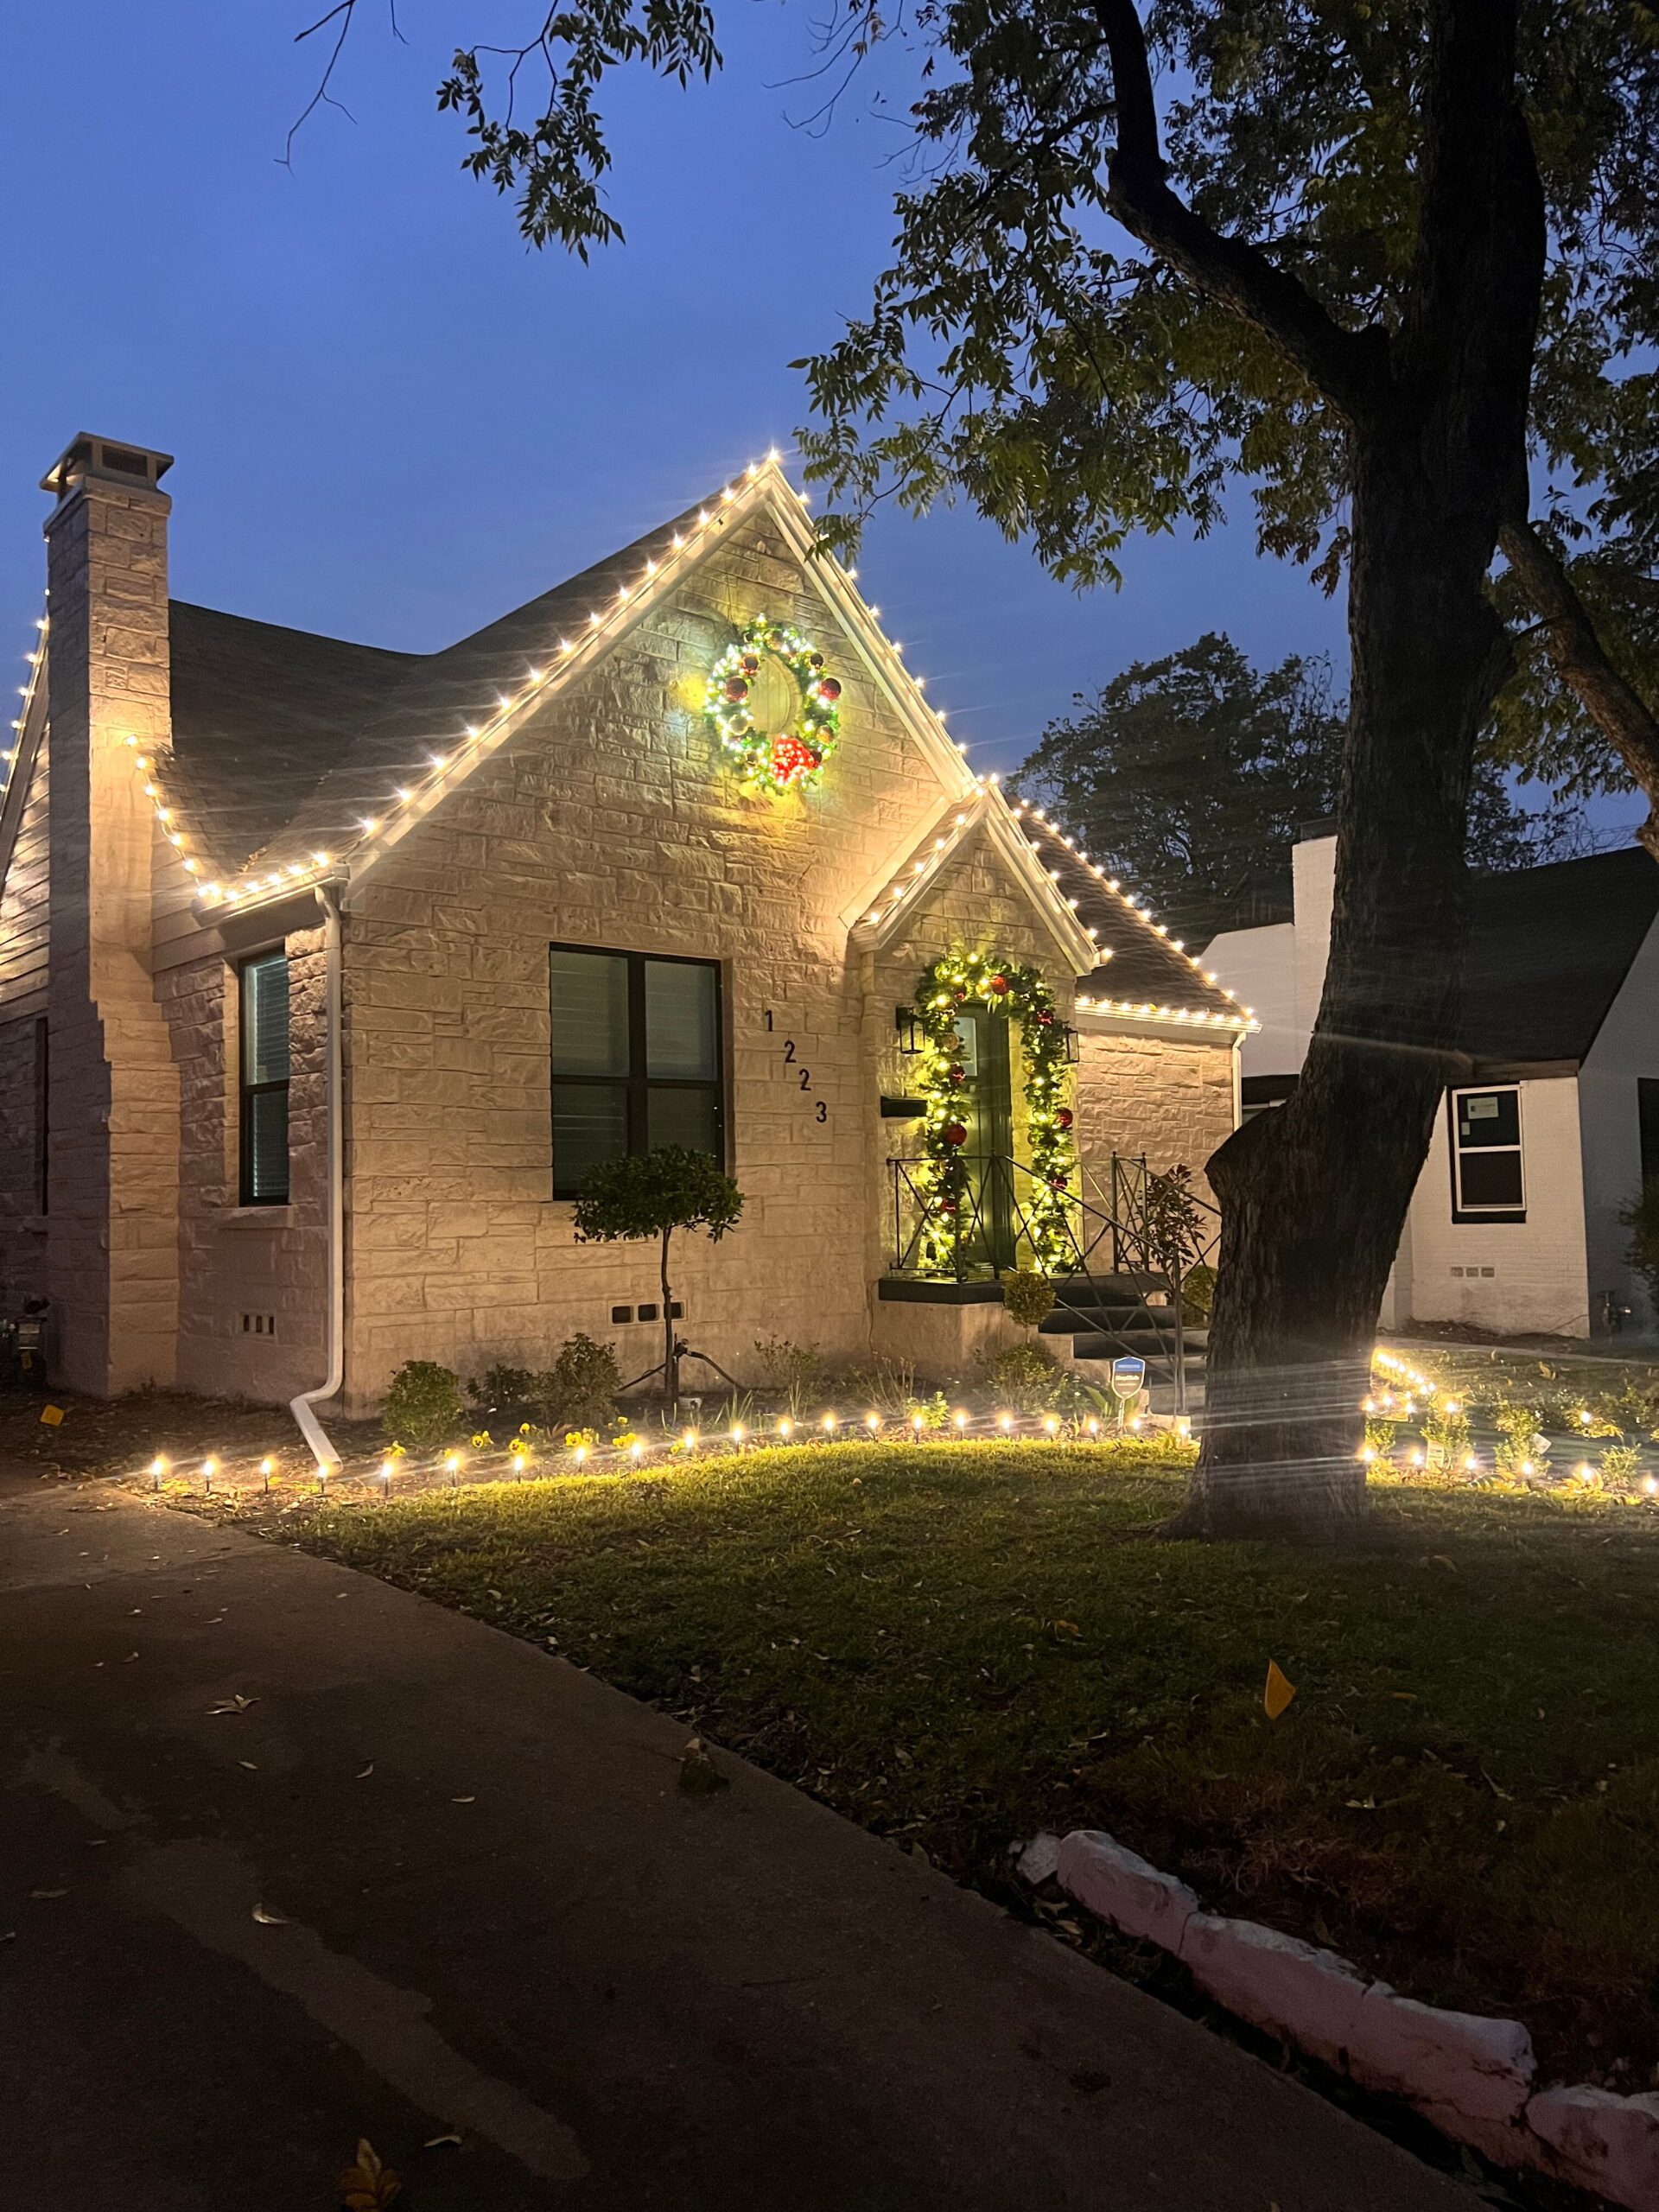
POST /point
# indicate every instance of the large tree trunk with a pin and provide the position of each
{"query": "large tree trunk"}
(1313, 1196)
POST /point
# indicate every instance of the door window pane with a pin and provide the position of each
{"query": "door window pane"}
(590, 1124)
(687, 1117)
(589, 1013)
(682, 1027)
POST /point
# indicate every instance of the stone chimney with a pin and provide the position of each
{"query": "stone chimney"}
(113, 1109)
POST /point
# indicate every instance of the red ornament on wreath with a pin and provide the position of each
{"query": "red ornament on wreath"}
(791, 760)
(955, 1132)
(1000, 985)
(1064, 1117)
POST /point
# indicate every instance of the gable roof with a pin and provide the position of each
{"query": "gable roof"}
(1148, 970)
(1548, 949)
(375, 741)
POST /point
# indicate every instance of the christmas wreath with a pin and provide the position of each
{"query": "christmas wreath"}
(1045, 1200)
(774, 759)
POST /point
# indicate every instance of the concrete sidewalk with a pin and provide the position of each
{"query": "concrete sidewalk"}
(488, 1909)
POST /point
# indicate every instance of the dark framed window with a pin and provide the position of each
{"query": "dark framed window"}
(1487, 1176)
(637, 1057)
(262, 991)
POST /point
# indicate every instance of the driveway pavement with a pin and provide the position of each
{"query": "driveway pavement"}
(421, 1880)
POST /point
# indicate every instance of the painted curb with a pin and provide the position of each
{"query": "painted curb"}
(1471, 2076)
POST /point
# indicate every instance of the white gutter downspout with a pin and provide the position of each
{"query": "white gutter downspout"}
(310, 1427)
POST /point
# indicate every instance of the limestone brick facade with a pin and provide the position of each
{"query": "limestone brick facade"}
(606, 819)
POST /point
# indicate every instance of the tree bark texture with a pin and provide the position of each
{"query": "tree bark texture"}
(1315, 1194)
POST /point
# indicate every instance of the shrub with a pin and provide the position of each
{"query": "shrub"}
(1619, 1464)
(1520, 1445)
(1641, 1217)
(1198, 1294)
(1027, 1380)
(502, 1386)
(423, 1406)
(1029, 1298)
(795, 1372)
(579, 1390)
(887, 1387)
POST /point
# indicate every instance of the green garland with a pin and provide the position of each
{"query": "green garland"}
(778, 761)
(1006, 987)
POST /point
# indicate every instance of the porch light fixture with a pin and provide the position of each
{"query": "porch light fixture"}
(904, 1021)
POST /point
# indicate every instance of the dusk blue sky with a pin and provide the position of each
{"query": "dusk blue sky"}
(392, 421)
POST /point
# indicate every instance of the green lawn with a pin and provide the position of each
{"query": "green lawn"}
(958, 1645)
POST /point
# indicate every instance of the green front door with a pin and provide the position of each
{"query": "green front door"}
(988, 1116)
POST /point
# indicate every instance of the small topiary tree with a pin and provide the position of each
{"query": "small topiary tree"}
(652, 1194)
(423, 1406)
(1028, 1296)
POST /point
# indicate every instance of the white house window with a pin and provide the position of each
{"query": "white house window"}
(636, 1058)
(264, 1079)
(1488, 1183)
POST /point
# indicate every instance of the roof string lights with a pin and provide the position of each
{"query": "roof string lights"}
(36, 659)
(1142, 1010)
(406, 801)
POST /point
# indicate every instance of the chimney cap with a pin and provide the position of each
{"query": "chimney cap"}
(112, 459)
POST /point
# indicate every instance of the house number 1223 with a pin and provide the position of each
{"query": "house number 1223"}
(820, 1110)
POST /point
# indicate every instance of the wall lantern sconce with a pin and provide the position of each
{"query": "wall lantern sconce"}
(904, 1021)
(1073, 1052)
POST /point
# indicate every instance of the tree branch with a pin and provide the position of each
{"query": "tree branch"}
(1341, 364)
(1577, 655)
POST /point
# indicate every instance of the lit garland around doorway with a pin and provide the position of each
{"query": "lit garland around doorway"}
(784, 760)
(953, 983)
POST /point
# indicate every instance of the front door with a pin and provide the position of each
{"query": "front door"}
(988, 1116)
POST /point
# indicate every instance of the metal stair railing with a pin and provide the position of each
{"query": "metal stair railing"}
(1157, 1229)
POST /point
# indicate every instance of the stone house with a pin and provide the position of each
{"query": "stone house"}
(1515, 1225)
(324, 971)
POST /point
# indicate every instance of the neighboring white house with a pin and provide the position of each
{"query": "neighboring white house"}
(1514, 1225)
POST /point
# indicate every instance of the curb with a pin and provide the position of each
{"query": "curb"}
(1473, 2078)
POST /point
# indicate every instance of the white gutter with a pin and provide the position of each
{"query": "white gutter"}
(310, 1427)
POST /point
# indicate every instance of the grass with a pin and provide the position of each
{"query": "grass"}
(960, 1645)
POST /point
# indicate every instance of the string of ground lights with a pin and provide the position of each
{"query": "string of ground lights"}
(526, 1458)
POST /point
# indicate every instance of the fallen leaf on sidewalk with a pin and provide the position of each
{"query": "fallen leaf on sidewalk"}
(268, 1919)
(249, 1764)
(436, 2142)
(463, 1801)
(364, 1773)
(699, 1776)
(8, 1935)
(368, 2186)
(48, 1893)
(235, 1703)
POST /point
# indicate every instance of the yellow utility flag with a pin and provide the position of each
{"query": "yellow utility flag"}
(1277, 1694)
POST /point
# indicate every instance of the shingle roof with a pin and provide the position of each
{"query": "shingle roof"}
(1548, 949)
(1147, 966)
(279, 730)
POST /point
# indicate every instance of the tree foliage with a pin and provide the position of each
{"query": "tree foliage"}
(1191, 776)
(652, 1193)
(1027, 352)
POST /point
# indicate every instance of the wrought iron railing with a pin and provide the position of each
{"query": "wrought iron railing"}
(1152, 1235)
